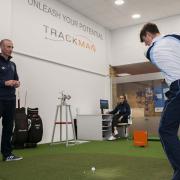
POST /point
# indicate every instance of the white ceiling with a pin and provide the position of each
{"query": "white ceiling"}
(105, 13)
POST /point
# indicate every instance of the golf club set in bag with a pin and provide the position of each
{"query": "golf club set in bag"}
(28, 128)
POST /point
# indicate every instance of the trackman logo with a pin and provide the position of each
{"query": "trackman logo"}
(78, 40)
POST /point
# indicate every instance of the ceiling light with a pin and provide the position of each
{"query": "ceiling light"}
(118, 2)
(123, 74)
(136, 16)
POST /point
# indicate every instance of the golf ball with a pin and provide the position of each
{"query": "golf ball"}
(93, 168)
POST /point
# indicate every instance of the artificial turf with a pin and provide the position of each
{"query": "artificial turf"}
(117, 160)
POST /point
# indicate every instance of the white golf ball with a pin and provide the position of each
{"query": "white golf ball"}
(93, 168)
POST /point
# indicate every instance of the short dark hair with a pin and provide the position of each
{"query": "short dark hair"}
(149, 27)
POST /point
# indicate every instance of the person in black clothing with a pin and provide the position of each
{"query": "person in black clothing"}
(8, 82)
(121, 113)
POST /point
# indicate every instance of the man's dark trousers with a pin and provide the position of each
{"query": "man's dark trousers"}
(169, 126)
(7, 111)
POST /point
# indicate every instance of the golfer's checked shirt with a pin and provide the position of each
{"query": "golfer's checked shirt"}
(164, 52)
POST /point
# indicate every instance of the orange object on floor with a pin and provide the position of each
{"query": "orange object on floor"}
(140, 138)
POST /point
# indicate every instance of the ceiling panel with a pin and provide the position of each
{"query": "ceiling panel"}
(102, 11)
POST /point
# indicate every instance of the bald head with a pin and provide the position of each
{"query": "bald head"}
(6, 46)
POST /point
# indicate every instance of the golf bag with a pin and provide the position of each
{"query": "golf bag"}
(20, 132)
(35, 127)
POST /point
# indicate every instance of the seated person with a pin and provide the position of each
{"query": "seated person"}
(121, 113)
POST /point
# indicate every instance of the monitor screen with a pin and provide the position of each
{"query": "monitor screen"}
(104, 104)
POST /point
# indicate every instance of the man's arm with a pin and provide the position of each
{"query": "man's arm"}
(12, 83)
(15, 71)
(2, 83)
(16, 77)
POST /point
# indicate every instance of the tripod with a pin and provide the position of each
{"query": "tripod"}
(63, 107)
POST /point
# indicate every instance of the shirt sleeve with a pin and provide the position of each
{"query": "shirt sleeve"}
(2, 83)
(16, 77)
(115, 110)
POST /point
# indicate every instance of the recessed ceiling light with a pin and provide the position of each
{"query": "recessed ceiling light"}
(136, 16)
(118, 2)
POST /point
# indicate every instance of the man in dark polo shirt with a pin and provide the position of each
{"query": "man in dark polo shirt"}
(8, 82)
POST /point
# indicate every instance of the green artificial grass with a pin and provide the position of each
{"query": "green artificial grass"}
(153, 138)
(113, 160)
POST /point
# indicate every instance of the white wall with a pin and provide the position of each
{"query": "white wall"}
(47, 67)
(65, 36)
(126, 46)
(5, 19)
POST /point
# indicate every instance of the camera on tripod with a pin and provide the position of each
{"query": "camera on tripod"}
(64, 97)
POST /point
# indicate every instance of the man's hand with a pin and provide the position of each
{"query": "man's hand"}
(12, 83)
(9, 83)
(16, 84)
